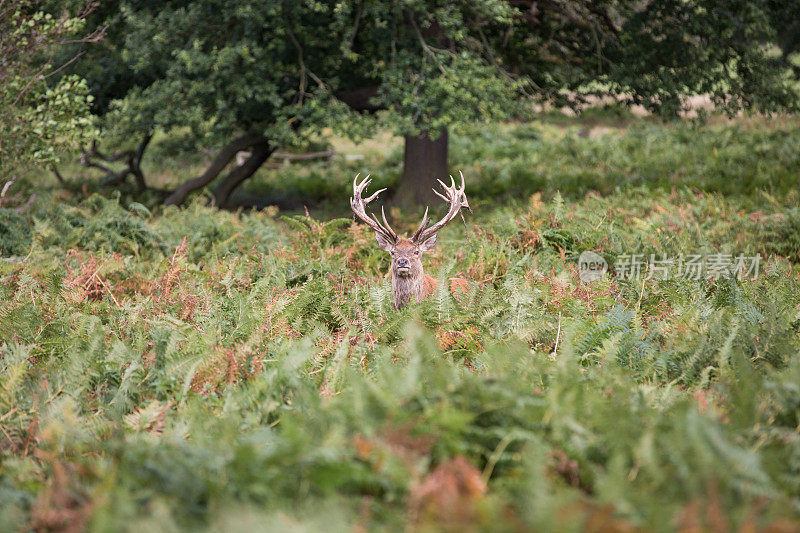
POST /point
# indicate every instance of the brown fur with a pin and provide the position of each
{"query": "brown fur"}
(407, 272)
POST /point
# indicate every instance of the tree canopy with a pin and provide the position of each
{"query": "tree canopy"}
(271, 73)
(41, 113)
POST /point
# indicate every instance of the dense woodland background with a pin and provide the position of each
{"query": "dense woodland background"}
(195, 335)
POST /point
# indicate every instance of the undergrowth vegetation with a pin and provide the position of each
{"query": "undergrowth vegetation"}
(508, 162)
(197, 369)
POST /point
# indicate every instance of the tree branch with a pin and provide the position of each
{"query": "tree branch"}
(360, 99)
(58, 175)
(603, 14)
(112, 177)
(355, 26)
(425, 46)
(136, 162)
(303, 68)
(219, 163)
(237, 176)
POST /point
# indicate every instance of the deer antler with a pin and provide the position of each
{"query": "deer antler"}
(359, 204)
(456, 197)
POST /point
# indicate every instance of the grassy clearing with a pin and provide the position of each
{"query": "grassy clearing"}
(192, 369)
(601, 152)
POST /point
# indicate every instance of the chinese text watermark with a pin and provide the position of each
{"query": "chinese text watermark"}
(592, 266)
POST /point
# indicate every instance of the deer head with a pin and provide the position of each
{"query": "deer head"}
(407, 272)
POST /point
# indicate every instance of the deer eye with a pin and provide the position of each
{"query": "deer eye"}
(416, 252)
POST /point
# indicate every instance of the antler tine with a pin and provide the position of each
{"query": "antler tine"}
(464, 202)
(374, 195)
(381, 226)
(440, 195)
(447, 190)
(422, 225)
(385, 223)
(359, 204)
(455, 197)
(355, 183)
(359, 187)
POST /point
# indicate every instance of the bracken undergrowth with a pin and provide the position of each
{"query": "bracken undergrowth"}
(192, 369)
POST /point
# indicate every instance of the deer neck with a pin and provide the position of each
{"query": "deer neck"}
(407, 289)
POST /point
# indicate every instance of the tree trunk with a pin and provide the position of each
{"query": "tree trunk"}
(425, 161)
(260, 153)
(224, 157)
(136, 163)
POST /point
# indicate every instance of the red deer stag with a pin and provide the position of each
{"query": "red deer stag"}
(407, 274)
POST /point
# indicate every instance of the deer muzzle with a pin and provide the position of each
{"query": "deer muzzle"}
(403, 267)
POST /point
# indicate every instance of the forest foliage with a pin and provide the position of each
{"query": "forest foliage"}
(262, 76)
(190, 368)
(44, 110)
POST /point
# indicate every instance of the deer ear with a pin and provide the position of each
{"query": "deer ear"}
(383, 242)
(429, 244)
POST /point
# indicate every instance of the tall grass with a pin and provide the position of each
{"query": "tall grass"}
(196, 369)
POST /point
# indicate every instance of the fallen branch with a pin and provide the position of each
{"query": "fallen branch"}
(7, 186)
(241, 157)
(5, 200)
(24, 207)
(327, 154)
